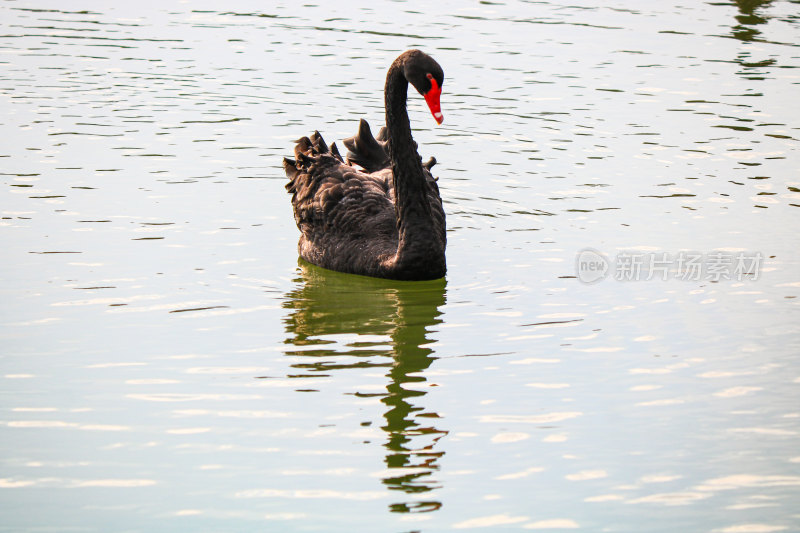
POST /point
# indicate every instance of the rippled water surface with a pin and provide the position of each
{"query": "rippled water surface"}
(167, 364)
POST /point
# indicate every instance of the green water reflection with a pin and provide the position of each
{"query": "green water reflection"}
(748, 18)
(340, 321)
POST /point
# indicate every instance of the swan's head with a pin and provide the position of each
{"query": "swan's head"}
(425, 74)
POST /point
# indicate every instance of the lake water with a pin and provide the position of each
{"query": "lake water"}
(616, 346)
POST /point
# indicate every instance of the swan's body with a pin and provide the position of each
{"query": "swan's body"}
(386, 220)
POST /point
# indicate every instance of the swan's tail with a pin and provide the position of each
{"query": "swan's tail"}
(315, 167)
(307, 152)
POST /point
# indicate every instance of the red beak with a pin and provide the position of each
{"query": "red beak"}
(432, 98)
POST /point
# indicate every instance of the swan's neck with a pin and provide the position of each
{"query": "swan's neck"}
(418, 240)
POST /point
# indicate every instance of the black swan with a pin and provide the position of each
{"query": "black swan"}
(386, 220)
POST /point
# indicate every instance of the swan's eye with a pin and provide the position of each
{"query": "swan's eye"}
(432, 80)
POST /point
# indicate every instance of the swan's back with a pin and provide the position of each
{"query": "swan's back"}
(346, 216)
(367, 151)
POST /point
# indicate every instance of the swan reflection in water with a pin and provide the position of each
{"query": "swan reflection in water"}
(327, 304)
